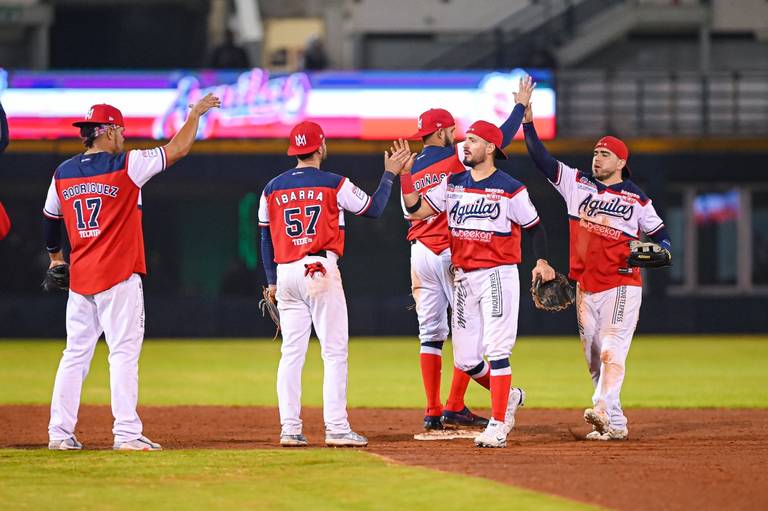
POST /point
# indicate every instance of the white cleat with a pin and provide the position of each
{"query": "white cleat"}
(594, 435)
(68, 444)
(494, 436)
(615, 434)
(598, 419)
(140, 444)
(293, 440)
(350, 439)
(516, 400)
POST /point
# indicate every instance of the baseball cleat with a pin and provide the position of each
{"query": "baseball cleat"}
(350, 439)
(615, 434)
(140, 444)
(433, 422)
(598, 419)
(68, 444)
(463, 419)
(293, 440)
(516, 400)
(594, 435)
(494, 436)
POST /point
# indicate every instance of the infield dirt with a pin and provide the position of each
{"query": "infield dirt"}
(675, 459)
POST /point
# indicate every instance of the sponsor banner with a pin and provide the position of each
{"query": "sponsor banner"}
(255, 104)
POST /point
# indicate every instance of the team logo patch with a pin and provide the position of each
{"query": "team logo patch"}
(359, 193)
(478, 209)
(301, 140)
(614, 207)
(494, 194)
(150, 153)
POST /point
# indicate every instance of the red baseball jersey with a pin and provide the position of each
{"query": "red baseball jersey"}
(484, 218)
(98, 196)
(304, 210)
(602, 222)
(432, 165)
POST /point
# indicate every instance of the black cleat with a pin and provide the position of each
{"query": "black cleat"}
(464, 419)
(433, 422)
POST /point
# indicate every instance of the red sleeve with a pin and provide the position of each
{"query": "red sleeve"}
(5, 222)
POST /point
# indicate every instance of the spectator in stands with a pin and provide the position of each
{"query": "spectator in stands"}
(315, 58)
(228, 55)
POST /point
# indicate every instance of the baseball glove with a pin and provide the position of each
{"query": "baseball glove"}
(554, 295)
(56, 278)
(268, 305)
(646, 254)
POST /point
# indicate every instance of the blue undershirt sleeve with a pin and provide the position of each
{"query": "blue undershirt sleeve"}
(52, 234)
(268, 256)
(380, 197)
(544, 161)
(512, 124)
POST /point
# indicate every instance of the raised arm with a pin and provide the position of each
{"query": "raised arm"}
(182, 141)
(544, 161)
(522, 100)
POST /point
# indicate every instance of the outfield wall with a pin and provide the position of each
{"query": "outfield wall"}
(200, 238)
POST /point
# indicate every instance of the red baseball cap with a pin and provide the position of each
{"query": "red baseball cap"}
(101, 114)
(432, 120)
(619, 148)
(490, 133)
(305, 138)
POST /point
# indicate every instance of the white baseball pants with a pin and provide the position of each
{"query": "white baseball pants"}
(607, 322)
(304, 301)
(432, 288)
(119, 313)
(486, 306)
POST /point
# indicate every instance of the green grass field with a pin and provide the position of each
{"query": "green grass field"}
(678, 372)
(674, 372)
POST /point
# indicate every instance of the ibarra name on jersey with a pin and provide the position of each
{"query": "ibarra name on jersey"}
(83, 188)
(293, 195)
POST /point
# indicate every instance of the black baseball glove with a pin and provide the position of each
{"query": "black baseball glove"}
(554, 295)
(646, 254)
(268, 305)
(56, 278)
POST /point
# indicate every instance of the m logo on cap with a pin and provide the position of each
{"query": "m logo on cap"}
(419, 123)
(89, 115)
(301, 140)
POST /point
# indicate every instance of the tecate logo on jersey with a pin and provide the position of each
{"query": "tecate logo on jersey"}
(478, 209)
(613, 207)
(255, 99)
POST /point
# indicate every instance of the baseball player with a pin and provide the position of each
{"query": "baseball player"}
(301, 213)
(606, 210)
(486, 211)
(431, 274)
(97, 194)
(5, 222)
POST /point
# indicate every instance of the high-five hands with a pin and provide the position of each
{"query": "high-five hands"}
(399, 158)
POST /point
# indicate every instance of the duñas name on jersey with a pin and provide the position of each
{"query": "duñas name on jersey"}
(431, 166)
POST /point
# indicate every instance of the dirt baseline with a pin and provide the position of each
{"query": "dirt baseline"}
(675, 459)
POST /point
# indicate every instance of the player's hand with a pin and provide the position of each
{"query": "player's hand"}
(528, 117)
(543, 270)
(525, 91)
(398, 158)
(272, 290)
(206, 103)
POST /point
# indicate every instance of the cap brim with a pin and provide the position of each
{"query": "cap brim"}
(420, 134)
(295, 151)
(80, 124)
